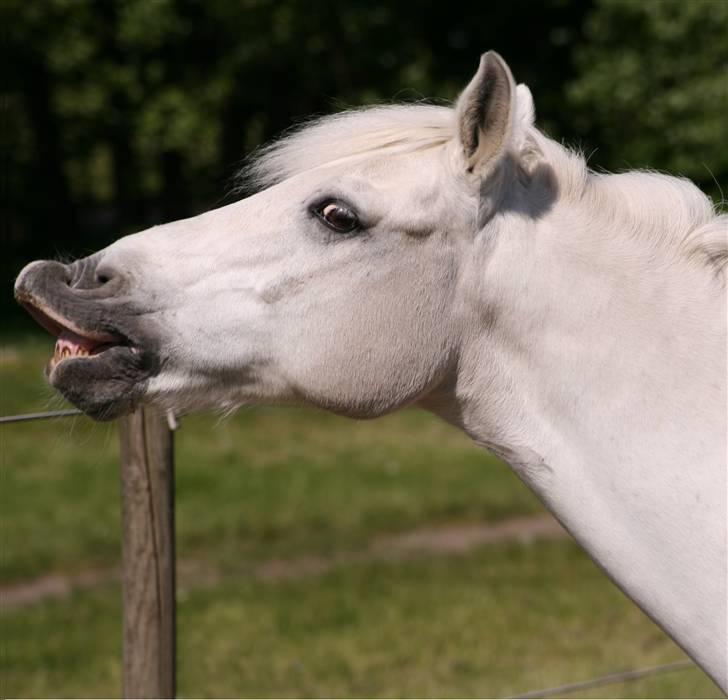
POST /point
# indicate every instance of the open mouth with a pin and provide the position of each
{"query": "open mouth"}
(71, 341)
(70, 344)
(100, 362)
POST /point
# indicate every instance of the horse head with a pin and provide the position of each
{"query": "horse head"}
(340, 283)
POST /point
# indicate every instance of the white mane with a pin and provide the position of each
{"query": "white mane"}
(664, 210)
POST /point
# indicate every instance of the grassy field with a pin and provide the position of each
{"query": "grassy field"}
(294, 487)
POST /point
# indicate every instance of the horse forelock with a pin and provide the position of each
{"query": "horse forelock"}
(352, 134)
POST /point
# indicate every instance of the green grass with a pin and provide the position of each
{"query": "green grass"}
(288, 484)
(266, 482)
(502, 620)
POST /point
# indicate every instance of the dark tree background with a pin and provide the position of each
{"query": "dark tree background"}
(119, 114)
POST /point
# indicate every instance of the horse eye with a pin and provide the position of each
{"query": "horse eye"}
(338, 217)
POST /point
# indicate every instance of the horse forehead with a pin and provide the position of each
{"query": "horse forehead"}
(415, 170)
(414, 179)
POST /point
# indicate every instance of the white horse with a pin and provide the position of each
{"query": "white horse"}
(573, 323)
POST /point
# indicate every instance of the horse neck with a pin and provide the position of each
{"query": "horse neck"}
(600, 377)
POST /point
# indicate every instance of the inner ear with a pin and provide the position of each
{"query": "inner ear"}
(485, 112)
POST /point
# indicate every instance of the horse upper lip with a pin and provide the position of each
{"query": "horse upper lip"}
(56, 324)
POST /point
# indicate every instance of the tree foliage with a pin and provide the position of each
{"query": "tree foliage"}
(652, 89)
(123, 113)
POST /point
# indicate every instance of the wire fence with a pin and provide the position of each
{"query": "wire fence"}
(555, 691)
(45, 415)
(610, 679)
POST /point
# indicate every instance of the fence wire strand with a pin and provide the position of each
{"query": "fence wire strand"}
(40, 416)
(612, 678)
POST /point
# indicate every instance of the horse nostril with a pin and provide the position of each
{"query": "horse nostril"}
(103, 275)
(88, 273)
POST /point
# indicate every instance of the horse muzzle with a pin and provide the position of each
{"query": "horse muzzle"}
(104, 355)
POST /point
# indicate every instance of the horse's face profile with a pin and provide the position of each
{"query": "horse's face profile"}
(334, 285)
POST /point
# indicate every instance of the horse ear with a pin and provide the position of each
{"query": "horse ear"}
(485, 112)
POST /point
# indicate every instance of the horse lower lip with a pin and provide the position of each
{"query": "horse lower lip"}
(104, 385)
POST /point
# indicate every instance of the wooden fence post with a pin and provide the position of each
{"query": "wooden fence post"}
(148, 556)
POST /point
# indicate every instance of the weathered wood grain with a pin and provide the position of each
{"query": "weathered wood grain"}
(148, 555)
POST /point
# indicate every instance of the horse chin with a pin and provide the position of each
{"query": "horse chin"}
(104, 387)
